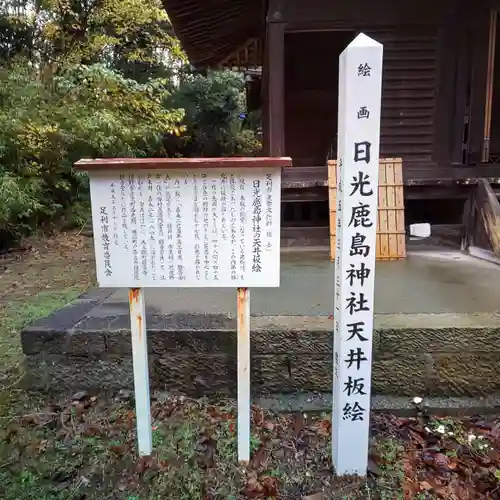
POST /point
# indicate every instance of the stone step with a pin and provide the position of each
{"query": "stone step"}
(452, 355)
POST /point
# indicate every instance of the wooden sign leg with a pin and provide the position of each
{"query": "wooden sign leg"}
(141, 370)
(243, 314)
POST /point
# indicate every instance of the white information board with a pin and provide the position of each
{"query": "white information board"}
(360, 84)
(212, 227)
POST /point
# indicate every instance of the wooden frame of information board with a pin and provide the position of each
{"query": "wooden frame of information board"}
(175, 222)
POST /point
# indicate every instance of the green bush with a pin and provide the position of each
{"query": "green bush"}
(85, 112)
(213, 105)
(58, 106)
(94, 112)
(19, 201)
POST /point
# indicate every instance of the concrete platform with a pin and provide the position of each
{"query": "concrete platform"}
(427, 282)
(437, 333)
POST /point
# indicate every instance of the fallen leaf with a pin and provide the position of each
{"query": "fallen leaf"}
(163, 465)
(270, 484)
(324, 427)
(80, 396)
(30, 420)
(79, 409)
(269, 426)
(259, 459)
(258, 416)
(425, 486)
(441, 460)
(42, 446)
(84, 481)
(91, 430)
(415, 436)
(254, 488)
(373, 468)
(118, 449)
(143, 464)
(314, 496)
(213, 412)
(298, 423)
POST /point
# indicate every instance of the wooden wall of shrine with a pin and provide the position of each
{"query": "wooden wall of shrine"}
(434, 84)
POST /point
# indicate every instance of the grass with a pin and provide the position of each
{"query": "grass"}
(17, 313)
(85, 447)
(47, 274)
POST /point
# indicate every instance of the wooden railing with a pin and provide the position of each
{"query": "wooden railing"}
(481, 233)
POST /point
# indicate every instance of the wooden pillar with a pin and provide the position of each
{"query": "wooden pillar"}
(460, 40)
(264, 91)
(274, 85)
(451, 99)
(480, 42)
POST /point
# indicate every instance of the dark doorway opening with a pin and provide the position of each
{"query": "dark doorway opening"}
(311, 94)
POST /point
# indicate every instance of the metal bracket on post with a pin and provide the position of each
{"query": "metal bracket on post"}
(141, 370)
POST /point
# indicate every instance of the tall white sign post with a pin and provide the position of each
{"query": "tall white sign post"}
(360, 84)
(186, 223)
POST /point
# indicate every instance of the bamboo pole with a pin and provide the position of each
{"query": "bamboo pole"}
(490, 76)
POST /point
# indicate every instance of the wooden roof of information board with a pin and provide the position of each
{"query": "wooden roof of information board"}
(211, 30)
(179, 163)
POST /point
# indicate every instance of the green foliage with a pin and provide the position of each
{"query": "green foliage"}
(133, 36)
(99, 78)
(86, 111)
(213, 105)
(18, 202)
(16, 35)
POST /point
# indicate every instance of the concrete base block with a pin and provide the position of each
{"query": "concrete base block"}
(434, 355)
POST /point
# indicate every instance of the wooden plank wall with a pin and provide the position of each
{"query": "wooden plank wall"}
(391, 241)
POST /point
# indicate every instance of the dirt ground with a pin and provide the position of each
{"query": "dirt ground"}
(42, 275)
(85, 447)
